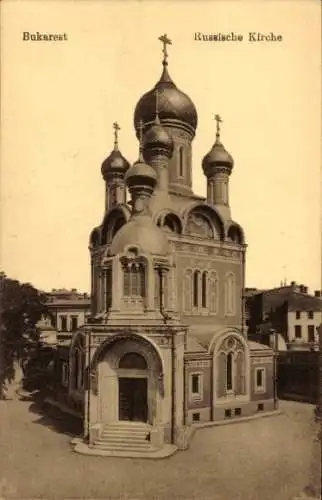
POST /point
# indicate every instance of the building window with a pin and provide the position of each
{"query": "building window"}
(196, 390)
(78, 369)
(63, 323)
(298, 314)
(196, 280)
(213, 292)
(260, 379)
(298, 331)
(229, 372)
(196, 417)
(133, 361)
(311, 333)
(181, 162)
(187, 292)
(74, 323)
(108, 285)
(204, 289)
(310, 314)
(134, 280)
(231, 368)
(64, 376)
(230, 294)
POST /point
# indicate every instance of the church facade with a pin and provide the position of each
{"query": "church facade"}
(165, 346)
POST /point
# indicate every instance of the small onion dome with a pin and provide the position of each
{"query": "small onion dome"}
(141, 174)
(174, 105)
(143, 233)
(114, 164)
(157, 139)
(217, 157)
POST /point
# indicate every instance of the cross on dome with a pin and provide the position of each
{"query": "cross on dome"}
(218, 122)
(165, 41)
(116, 128)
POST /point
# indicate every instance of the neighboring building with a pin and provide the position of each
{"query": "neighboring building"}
(289, 310)
(68, 310)
(166, 345)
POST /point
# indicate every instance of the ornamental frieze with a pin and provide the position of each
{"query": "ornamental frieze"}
(262, 360)
(198, 364)
(207, 250)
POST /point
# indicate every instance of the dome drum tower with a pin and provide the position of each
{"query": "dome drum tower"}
(179, 119)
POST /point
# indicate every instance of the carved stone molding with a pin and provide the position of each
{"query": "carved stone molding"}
(207, 250)
(262, 360)
(205, 363)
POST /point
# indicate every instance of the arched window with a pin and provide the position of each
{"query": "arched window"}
(187, 291)
(213, 292)
(108, 285)
(196, 281)
(78, 368)
(133, 361)
(229, 371)
(221, 369)
(231, 368)
(240, 373)
(204, 281)
(134, 280)
(181, 162)
(230, 293)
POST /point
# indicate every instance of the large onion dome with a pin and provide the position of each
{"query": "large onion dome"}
(174, 105)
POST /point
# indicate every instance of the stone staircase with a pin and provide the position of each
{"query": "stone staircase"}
(127, 437)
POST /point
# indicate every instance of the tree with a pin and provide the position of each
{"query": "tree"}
(22, 306)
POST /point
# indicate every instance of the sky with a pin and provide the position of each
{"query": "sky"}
(59, 100)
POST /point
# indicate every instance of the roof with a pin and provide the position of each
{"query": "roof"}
(304, 302)
(256, 346)
(69, 302)
(194, 346)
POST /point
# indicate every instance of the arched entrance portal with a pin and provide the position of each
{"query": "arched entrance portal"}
(128, 369)
(133, 388)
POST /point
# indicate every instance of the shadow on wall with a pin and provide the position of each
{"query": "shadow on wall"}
(56, 420)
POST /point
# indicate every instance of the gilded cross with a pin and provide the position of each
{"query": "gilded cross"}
(116, 130)
(218, 122)
(165, 41)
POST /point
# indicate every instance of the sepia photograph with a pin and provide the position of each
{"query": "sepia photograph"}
(160, 263)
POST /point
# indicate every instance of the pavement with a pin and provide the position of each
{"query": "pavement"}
(274, 458)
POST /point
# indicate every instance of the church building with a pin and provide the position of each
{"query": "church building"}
(165, 347)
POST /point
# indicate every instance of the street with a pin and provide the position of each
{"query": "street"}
(264, 459)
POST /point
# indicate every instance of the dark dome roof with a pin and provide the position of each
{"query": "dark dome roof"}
(217, 157)
(173, 104)
(143, 233)
(157, 137)
(141, 170)
(114, 163)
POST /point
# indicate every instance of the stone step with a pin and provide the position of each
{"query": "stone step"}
(122, 446)
(129, 425)
(120, 432)
(121, 437)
